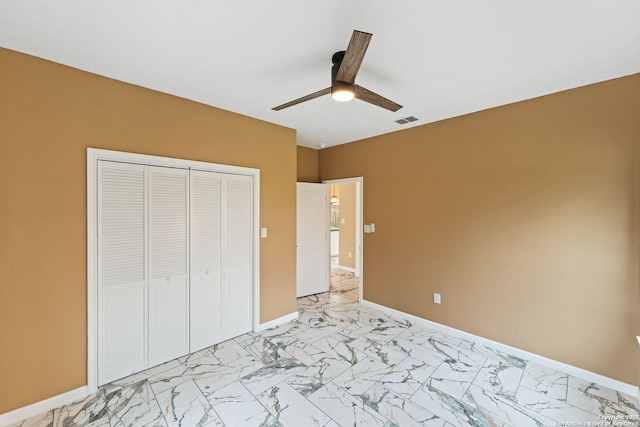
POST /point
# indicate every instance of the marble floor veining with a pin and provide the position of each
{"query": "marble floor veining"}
(344, 364)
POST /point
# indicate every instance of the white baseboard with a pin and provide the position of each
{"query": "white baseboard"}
(46, 405)
(82, 392)
(43, 406)
(342, 267)
(277, 322)
(545, 361)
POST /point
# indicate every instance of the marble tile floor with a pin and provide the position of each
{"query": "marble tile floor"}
(344, 283)
(344, 364)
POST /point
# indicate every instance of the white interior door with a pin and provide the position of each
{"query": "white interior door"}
(312, 269)
(206, 259)
(168, 261)
(121, 290)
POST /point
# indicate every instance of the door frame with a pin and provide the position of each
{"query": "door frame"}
(96, 154)
(359, 180)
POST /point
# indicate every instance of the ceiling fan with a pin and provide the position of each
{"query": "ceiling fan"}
(343, 75)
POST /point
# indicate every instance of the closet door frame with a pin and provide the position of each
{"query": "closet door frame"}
(93, 156)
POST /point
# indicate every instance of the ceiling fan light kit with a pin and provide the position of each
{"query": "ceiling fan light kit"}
(342, 92)
(345, 67)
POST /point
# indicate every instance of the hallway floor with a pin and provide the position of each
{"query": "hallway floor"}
(345, 364)
(344, 283)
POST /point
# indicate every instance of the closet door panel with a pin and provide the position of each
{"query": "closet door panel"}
(237, 301)
(122, 336)
(238, 271)
(168, 264)
(121, 271)
(206, 259)
(206, 310)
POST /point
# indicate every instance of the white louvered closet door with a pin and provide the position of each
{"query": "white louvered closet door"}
(122, 321)
(206, 259)
(237, 265)
(175, 263)
(168, 264)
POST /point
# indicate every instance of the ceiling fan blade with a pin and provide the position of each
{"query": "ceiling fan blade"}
(353, 56)
(375, 99)
(303, 99)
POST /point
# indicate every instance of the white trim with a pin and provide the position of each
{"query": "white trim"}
(359, 271)
(554, 364)
(146, 159)
(92, 272)
(43, 406)
(277, 322)
(95, 154)
(256, 249)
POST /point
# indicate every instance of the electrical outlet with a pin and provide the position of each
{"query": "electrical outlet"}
(436, 298)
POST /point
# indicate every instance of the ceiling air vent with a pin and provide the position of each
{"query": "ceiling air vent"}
(406, 120)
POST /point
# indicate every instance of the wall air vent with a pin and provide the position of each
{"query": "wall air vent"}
(406, 120)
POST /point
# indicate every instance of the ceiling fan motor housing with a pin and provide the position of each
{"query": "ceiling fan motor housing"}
(336, 59)
(337, 85)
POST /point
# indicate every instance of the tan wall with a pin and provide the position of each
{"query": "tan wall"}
(307, 164)
(49, 115)
(348, 229)
(523, 217)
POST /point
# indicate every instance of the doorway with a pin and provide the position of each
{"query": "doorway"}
(346, 236)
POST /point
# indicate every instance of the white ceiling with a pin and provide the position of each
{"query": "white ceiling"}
(438, 59)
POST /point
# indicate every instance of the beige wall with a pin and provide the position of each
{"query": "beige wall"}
(307, 165)
(524, 217)
(348, 229)
(49, 115)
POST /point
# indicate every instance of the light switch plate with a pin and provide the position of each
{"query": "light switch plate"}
(367, 228)
(263, 232)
